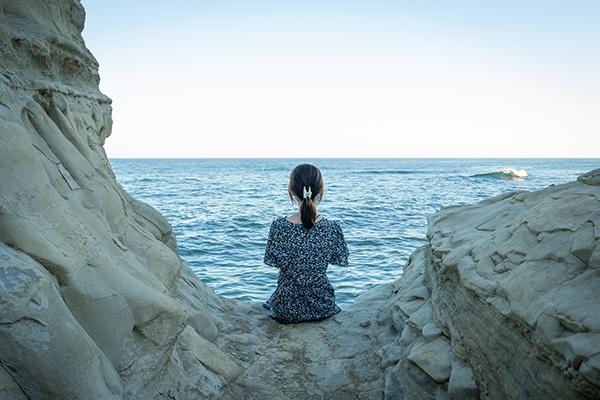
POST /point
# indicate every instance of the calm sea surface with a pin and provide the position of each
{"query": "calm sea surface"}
(221, 209)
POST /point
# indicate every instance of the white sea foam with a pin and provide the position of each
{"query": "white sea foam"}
(520, 173)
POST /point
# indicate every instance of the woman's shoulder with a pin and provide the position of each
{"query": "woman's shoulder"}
(278, 221)
(278, 228)
(330, 223)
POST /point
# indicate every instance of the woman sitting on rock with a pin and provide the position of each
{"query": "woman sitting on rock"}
(302, 246)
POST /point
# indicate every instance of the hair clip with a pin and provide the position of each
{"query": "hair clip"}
(306, 194)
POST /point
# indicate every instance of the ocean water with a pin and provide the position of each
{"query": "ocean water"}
(221, 209)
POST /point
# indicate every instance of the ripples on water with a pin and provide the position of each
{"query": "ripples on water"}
(221, 209)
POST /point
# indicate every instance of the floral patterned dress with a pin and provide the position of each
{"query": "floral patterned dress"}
(302, 255)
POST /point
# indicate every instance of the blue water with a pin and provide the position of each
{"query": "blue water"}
(221, 209)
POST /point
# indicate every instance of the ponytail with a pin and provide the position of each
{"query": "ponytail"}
(306, 183)
(308, 212)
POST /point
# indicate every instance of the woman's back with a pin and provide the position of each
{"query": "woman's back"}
(302, 255)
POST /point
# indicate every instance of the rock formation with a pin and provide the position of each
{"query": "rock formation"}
(95, 302)
(504, 300)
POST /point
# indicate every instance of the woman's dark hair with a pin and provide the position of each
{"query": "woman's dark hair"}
(306, 178)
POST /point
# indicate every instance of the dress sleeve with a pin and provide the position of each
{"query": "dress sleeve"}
(270, 258)
(340, 252)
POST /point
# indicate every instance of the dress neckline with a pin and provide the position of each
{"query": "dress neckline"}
(317, 220)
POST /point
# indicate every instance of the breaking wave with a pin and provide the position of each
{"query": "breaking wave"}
(506, 174)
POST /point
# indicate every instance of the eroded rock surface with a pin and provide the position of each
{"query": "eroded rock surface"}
(505, 300)
(95, 302)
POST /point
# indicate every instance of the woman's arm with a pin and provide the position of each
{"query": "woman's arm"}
(340, 251)
(270, 257)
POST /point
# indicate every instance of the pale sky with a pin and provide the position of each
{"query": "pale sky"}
(371, 78)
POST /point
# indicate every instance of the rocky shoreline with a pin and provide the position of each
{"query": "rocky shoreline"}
(95, 302)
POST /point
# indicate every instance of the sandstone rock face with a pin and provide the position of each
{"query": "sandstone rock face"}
(504, 303)
(530, 263)
(95, 302)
